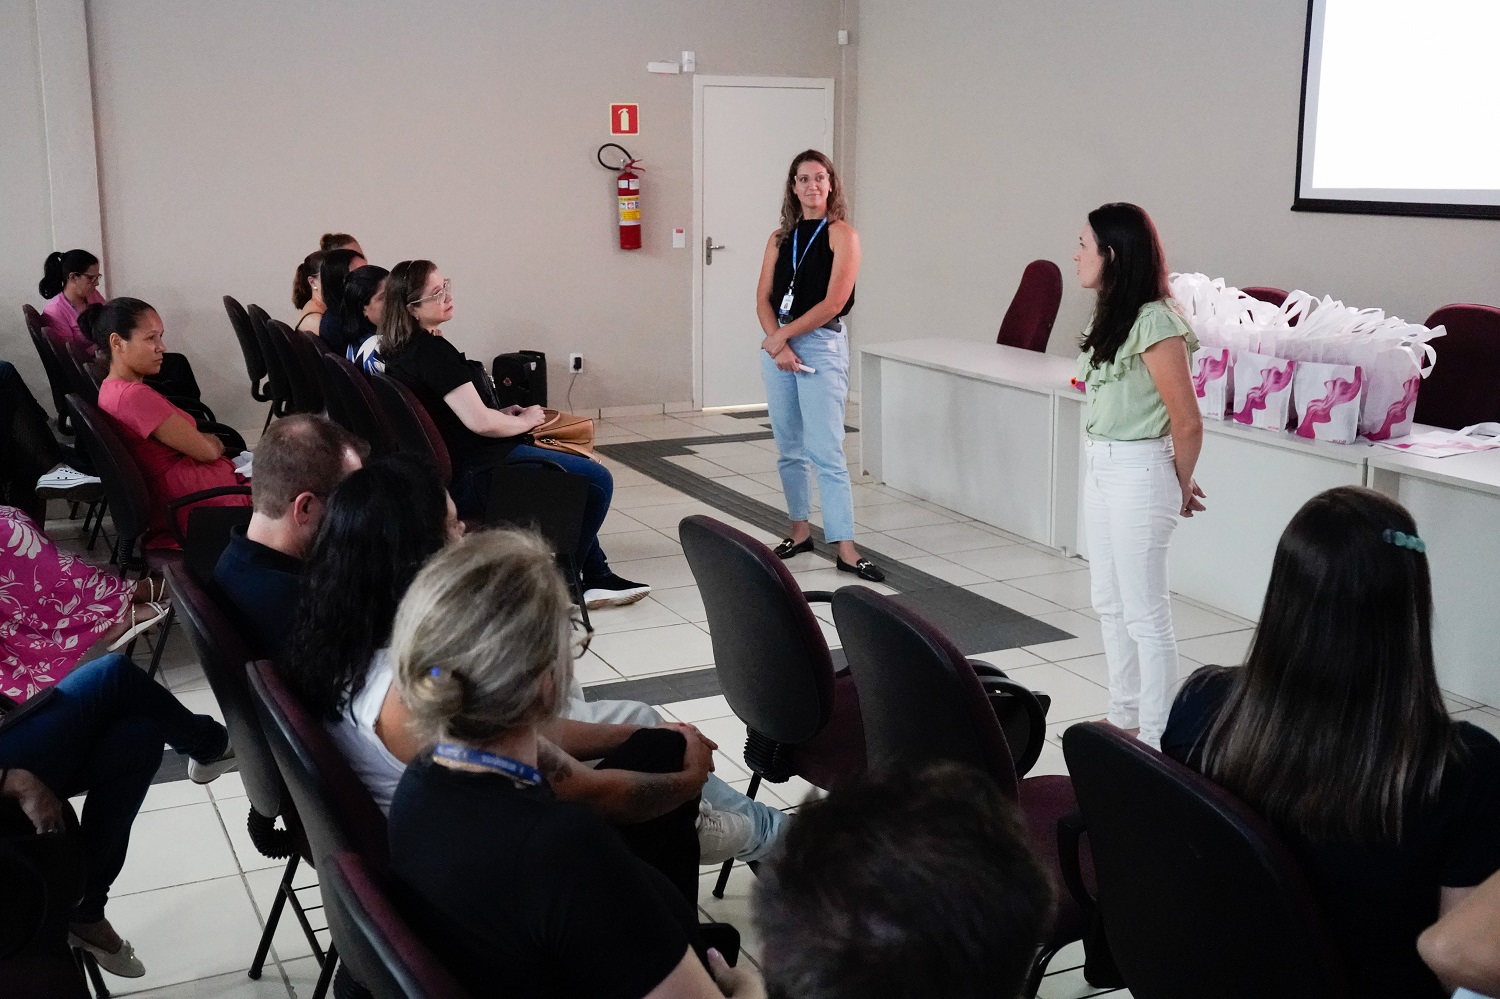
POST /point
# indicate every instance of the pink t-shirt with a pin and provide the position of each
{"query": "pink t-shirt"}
(62, 319)
(169, 474)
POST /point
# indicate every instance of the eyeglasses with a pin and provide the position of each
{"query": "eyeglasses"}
(583, 634)
(446, 294)
(92, 278)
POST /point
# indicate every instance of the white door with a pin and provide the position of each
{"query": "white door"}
(747, 132)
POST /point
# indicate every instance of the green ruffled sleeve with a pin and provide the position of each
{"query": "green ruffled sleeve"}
(1157, 321)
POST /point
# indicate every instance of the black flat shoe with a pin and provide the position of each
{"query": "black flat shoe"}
(788, 547)
(864, 569)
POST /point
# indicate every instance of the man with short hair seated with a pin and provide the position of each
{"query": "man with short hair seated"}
(298, 462)
(902, 884)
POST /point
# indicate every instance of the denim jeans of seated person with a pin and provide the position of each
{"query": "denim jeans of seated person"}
(766, 822)
(807, 417)
(102, 733)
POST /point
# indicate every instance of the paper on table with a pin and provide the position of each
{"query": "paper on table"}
(1446, 443)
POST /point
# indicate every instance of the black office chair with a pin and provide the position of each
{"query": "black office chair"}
(1198, 896)
(276, 374)
(380, 949)
(336, 812)
(57, 375)
(250, 349)
(801, 719)
(223, 652)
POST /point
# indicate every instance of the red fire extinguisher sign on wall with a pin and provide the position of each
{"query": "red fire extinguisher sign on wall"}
(624, 119)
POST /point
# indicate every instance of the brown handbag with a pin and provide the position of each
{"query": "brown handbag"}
(565, 432)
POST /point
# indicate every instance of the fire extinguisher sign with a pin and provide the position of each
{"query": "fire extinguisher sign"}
(624, 119)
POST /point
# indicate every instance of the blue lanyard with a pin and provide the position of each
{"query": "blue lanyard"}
(797, 263)
(514, 769)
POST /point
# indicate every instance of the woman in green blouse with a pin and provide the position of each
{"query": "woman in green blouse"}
(1144, 435)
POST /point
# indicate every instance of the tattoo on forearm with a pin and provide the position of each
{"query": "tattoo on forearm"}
(556, 765)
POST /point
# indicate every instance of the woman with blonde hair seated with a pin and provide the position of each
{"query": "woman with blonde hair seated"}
(515, 889)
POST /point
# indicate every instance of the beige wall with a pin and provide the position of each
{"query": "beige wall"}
(232, 135)
(25, 217)
(989, 128)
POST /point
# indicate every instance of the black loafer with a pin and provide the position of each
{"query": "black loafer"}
(788, 547)
(864, 569)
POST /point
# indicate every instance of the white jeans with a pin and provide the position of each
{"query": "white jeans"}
(1131, 501)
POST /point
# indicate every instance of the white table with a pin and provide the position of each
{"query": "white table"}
(996, 433)
(968, 426)
(1456, 503)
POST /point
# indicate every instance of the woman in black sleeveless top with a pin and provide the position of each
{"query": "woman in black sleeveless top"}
(806, 285)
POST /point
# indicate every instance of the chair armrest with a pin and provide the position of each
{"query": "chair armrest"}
(195, 406)
(1070, 832)
(817, 596)
(203, 494)
(197, 497)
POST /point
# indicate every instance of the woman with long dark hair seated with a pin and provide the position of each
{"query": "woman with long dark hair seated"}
(479, 436)
(379, 527)
(332, 274)
(363, 308)
(1336, 732)
(510, 881)
(175, 457)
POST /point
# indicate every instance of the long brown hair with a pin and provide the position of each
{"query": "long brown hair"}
(402, 288)
(1335, 729)
(302, 292)
(1134, 273)
(791, 208)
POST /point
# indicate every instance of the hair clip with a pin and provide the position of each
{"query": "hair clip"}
(1403, 540)
(437, 671)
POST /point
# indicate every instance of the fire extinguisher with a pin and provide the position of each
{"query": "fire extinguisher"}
(628, 193)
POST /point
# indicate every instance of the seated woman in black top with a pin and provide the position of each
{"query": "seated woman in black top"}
(478, 435)
(359, 316)
(1335, 730)
(519, 893)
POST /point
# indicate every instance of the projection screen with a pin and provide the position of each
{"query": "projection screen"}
(1400, 108)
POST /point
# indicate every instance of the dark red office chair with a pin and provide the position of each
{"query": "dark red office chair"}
(1275, 296)
(352, 403)
(1198, 896)
(1461, 391)
(413, 429)
(922, 702)
(1033, 309)
(802, 719)
(375, 942)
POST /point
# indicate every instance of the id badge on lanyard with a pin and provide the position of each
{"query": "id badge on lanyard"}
(784, 314)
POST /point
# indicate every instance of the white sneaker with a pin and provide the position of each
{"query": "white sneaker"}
(203, 773)
(721, 835)
(613, 591)
(63, 477)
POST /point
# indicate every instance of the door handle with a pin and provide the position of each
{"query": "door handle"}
(708, 249)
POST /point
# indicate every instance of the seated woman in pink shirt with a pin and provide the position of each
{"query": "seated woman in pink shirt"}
(70, 283)
(175, 457)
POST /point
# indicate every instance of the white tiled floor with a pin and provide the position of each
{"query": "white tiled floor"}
(194, 890)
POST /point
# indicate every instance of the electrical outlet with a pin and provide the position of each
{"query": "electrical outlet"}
(575, 362)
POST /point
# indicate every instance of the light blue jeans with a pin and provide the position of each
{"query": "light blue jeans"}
(807, 417)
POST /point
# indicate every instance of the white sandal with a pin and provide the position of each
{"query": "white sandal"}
(156, 590)
(137, 626)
